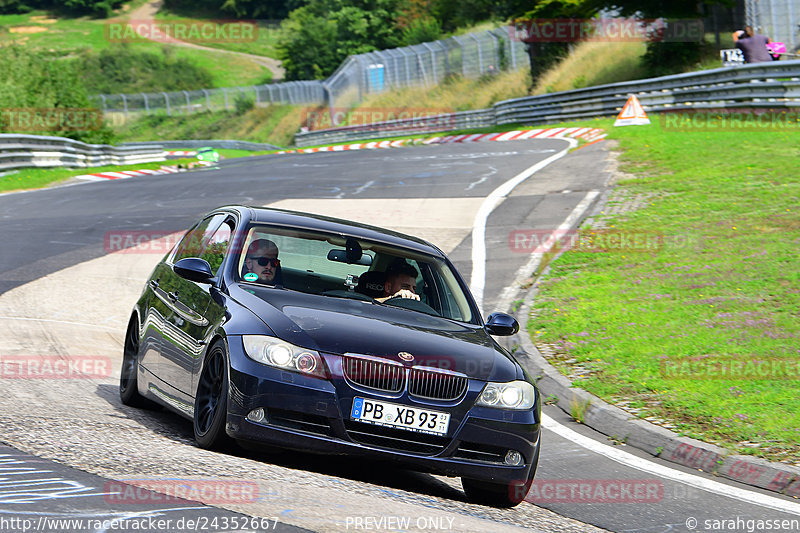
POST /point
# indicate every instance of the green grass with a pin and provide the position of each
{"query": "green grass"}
(272, 124)
(68, 35)
(725, 284)
(35, 178)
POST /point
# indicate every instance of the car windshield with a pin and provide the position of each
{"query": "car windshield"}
(339, 267)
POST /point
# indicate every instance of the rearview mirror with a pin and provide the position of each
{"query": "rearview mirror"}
(340, 256)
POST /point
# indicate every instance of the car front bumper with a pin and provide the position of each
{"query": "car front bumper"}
(311, 414)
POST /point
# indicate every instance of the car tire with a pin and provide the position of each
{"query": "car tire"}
(503, 495)
(211, 401)
(128, 376)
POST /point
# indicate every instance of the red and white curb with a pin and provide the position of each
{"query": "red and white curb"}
(181, 153)
(125, 174)
(587, 134)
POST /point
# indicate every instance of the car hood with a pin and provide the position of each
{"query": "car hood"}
(344, 326)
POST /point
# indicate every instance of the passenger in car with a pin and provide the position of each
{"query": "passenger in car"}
(401, 281)
(262, 259)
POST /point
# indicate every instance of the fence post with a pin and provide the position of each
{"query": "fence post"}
(496, 50)
(396, 79)
(422, 68)
(774, 30)
(408, 69)
(433, 61)
(146, 105)
(105, 107)
(166, 103)
(446, 57)
(463, 56)
(513, 50)
(480, 53)
(225, 94)
(208, 99)
(188, 103)
(125, 105)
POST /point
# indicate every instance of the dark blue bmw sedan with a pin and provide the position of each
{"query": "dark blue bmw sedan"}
(277, 328)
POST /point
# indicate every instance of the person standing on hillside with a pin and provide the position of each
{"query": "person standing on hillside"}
(753, 45)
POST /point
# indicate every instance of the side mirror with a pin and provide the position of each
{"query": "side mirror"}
(501, 324)
(193, 269)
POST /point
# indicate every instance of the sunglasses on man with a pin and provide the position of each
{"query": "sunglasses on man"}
(264, 261)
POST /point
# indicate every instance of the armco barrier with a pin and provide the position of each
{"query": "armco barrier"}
(215, 143)
(26, 151)
(481, 118)
(773, 85)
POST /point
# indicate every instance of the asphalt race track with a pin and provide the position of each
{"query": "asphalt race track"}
(66, 290)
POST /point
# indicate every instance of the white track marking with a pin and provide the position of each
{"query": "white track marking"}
(526, 270)
(478, 278)
(633, 461)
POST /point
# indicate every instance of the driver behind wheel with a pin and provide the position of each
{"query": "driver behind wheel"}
(401, 281)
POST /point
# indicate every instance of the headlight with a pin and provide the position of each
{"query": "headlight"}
(512, 395)
(280, 354)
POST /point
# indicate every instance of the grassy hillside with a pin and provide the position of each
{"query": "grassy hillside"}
(594, 63)
(38, 31)
(274, 124)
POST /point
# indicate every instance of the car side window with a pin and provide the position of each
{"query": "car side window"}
(208, 240)
(214, 252)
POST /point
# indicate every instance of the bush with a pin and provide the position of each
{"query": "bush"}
(125, 70)
(34, 80)
(422, 30)
(243, 103)
(98, 8)
(662, 58)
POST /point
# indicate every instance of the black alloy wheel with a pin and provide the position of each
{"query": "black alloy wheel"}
(211, 400)
(128, 381)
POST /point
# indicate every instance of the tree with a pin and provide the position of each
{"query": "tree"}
(317, 37)
(36, 83)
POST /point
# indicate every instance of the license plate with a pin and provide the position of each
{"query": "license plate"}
(400, 416)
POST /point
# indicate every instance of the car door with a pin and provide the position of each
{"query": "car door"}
(187, 326)
(153, 320)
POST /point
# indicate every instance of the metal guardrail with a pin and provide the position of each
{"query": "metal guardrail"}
(758, 85)
(215, 143)
(481, 118)
(31, 151)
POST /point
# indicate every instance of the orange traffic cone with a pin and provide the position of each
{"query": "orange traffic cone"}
(632, 114)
